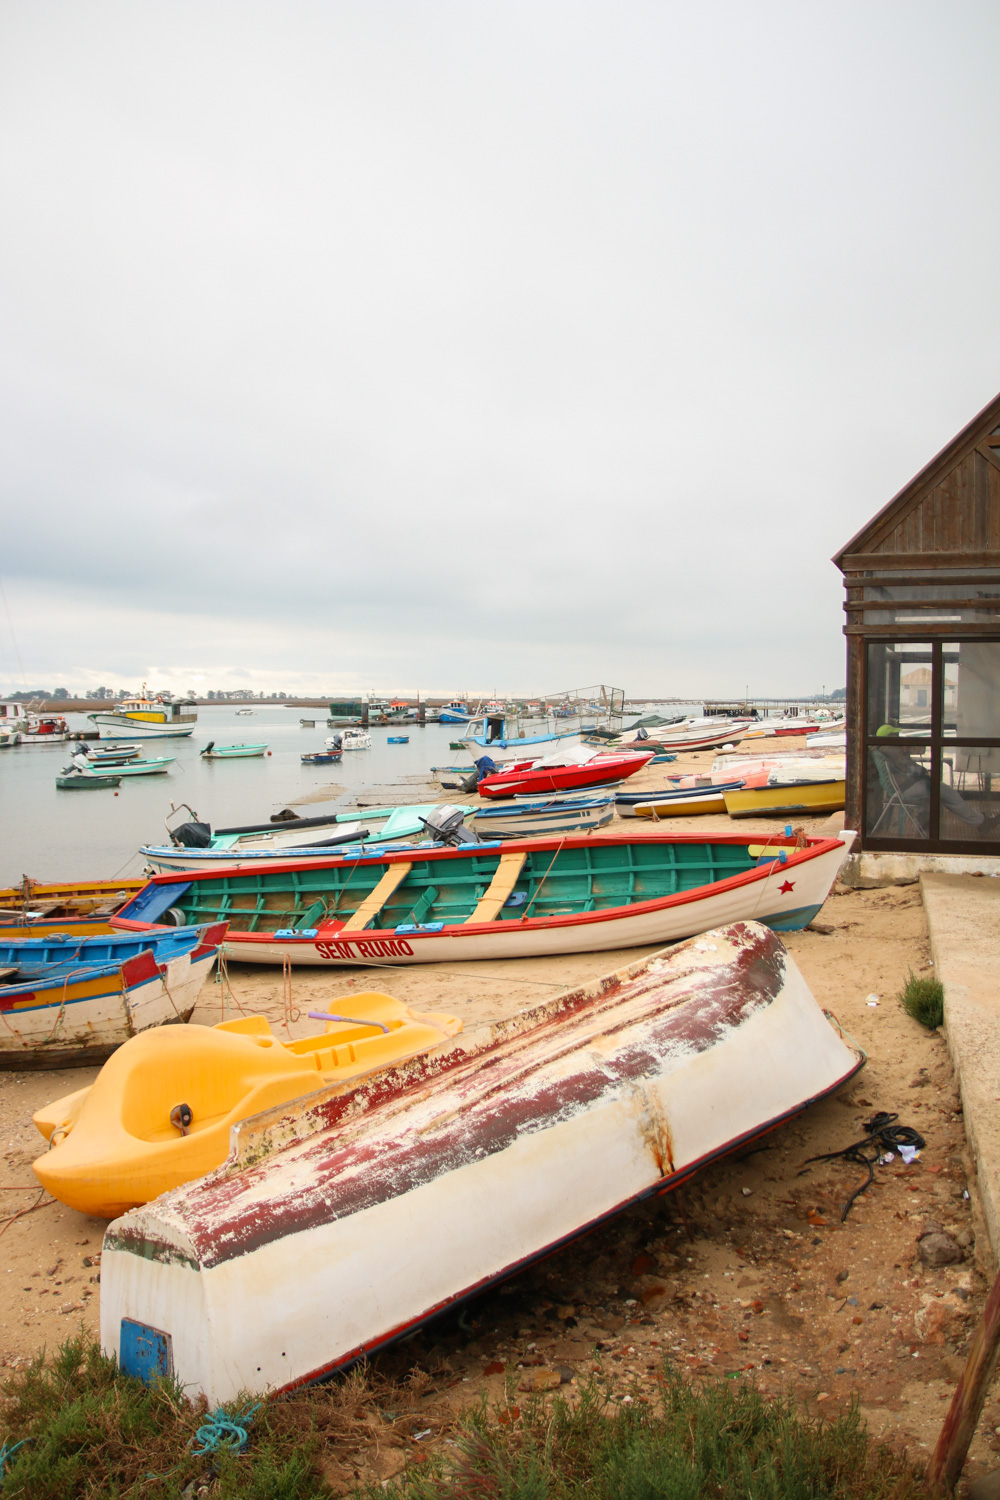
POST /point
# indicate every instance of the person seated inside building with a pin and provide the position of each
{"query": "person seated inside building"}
(912, 781)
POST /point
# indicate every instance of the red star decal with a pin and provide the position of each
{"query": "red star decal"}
(785, 887)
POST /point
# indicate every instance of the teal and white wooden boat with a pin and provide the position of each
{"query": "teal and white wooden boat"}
(158, 766)
(212, 751)
(301, 838)
(427, 903)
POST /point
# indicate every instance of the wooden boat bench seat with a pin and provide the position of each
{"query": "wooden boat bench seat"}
(376, 899)
(504, 880)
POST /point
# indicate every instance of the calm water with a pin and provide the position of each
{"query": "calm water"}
(52, 835)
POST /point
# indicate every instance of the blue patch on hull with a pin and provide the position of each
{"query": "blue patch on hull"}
(792, 921)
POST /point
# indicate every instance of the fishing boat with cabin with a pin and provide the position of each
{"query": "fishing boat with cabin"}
(147, 717)
(342, 1224)
(432, 903)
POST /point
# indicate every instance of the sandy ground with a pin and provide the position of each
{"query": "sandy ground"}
(747, 1269)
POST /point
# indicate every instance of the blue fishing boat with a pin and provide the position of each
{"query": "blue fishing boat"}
(397, 739)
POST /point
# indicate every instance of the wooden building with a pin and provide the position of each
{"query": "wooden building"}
(922, 583)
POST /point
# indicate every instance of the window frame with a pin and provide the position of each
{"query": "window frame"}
(934, 739)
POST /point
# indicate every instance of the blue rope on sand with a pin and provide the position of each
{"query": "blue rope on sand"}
(7, 1453)
(220, 1430)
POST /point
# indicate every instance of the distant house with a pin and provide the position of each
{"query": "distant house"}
(922, 584)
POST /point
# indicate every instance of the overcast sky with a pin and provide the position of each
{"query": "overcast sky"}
(442, 345)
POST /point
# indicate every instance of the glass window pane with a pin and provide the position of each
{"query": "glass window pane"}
(898, 791)
(899, 686)
(972, 691)
(970, 797)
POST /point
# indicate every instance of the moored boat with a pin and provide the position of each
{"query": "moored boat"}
(397, 739)
(322, 757)
(212, 751)
(75, 780)
(350, 739)
(67, 1002)
(156, 766)
(113, 1146)
(146, 717)
(576, 893)
(478, 1159)
(45, 729)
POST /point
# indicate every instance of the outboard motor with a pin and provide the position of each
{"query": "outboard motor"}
(446, 825)
(191, 835)
(485, 766)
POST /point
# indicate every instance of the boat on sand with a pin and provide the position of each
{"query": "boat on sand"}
(341, 1225)
(64, 1002)
(559, 772)
(428, 903)
(117, 1144)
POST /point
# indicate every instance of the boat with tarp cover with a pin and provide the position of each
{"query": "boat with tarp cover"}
(430, 903)
(340, 1225)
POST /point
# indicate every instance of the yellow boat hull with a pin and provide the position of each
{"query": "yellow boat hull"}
(113, 1146)
(809, 799)
(699, 802)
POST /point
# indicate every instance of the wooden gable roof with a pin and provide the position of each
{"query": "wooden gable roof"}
(948, 515)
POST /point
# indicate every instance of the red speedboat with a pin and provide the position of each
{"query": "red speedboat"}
(529, 778)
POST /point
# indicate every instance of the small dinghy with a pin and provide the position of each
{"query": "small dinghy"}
(337, 1227)
(431, 903)
(397, 739)
(322, 757)
(159, 766)
(75, 780)
(65, 1002)
(160, 1110)
(212, 751)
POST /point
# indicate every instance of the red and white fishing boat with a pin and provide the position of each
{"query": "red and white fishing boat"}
(341, 1222)
(530, 778)
(427, 903)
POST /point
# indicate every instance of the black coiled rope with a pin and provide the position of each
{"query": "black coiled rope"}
(882, 1134)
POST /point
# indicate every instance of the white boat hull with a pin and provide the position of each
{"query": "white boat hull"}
(338, 1227)
(112, 727)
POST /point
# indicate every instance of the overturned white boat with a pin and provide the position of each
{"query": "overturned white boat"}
(342, 1222)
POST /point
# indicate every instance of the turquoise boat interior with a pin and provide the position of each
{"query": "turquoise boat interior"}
(428, 890)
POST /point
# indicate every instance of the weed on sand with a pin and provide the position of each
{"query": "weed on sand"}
(724, 1440)
(923, 999)
(87, 1432)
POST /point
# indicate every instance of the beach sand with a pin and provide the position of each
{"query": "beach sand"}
(748, 1268)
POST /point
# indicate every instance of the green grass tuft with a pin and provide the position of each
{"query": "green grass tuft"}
(923, 999)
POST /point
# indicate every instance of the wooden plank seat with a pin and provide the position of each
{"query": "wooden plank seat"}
(499, 888)
(376, 899)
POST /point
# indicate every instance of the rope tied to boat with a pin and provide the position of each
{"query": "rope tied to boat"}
(882, 1138)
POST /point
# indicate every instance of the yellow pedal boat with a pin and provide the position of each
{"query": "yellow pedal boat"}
(158, 1113)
